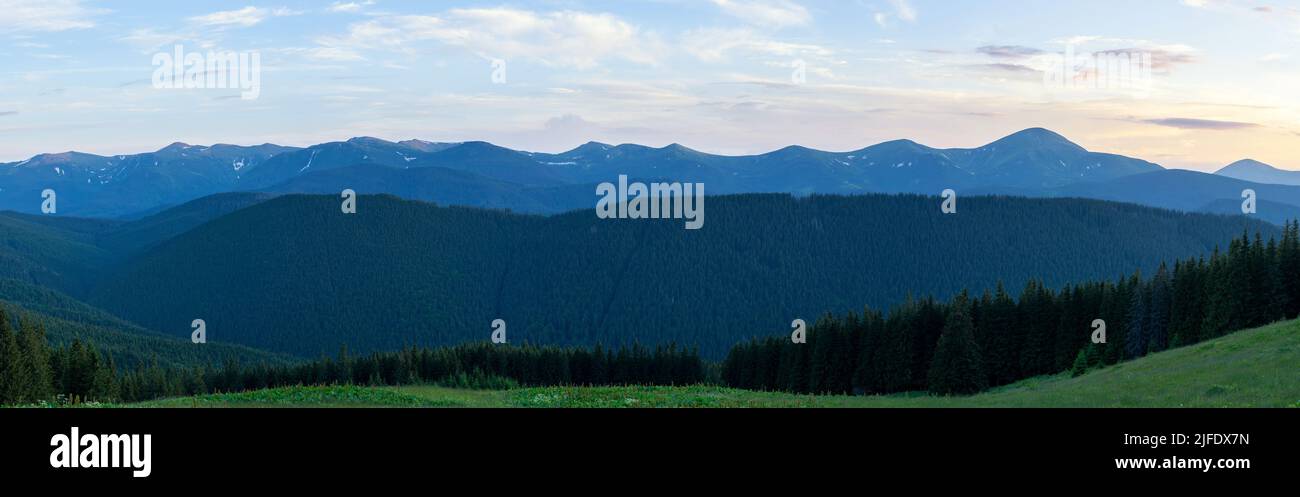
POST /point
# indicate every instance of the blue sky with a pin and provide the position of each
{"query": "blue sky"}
(716, 75)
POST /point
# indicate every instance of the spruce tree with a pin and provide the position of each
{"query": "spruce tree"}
(8, 360)
(1216, 294)
(957, 368)
(1289, 267)
(1157, 325)
(1080, 364)
(1002, 356)
(38, 350)
(18, 389)
(1138, 336)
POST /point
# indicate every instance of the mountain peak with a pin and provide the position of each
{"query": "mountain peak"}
(1036, 135)
(589, 147)
(1259, 172)
(1035, 139)
(176, 146)
(426, 146)
(1247, 164)
(677, 147)
(368, 140)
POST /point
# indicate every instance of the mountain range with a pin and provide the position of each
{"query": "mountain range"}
(143, 244)
(1035, 162)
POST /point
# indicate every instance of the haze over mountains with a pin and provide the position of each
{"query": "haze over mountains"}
(1033, 162)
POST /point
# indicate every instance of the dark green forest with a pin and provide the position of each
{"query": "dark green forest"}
(66, 320)
(32, 371)
(968, 344)
(293, 275)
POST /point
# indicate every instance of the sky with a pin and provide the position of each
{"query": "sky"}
(1216, 80)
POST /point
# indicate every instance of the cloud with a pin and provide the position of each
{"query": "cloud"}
(335, 54)
(562, 38)
(45, 15)
(245, 17)
(7, 112)
(713, 45)
(350, 7)
(1008, 51)
(902, 10)
(1208, 124)
(1004, 67)
(766, 13)
(1162, 59)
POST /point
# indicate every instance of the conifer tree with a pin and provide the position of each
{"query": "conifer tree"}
(958, 368)
(8, 361)
(1038, 319)
(1157, 323)
(1000, 347)
(1080, 364)
(1139, 336)
(1289, 267)
(30, 368)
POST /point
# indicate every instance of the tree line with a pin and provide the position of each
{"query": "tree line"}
(969, 344)
(32, 371)
(35, 372)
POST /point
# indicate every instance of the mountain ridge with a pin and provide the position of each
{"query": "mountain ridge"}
(91, 185)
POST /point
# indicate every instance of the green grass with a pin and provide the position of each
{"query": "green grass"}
(1255, 368)
(325, 396)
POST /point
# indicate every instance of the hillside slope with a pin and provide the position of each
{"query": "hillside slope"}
(66, 319)
(1253, 368)
(294, 275)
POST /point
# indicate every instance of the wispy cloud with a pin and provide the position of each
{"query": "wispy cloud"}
(350, 7)
(900, 9)
(713, 45)
(46, 15)
(767, 13)
(1206, 124)
(562, 38)
(1009, 51)
(245, 17)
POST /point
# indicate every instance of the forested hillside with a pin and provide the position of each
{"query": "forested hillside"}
(295, 275)
(969, 344)
(57, 253)
(67, 320)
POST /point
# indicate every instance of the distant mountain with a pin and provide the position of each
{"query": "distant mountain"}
(1189, 191)
(442, 186)
(498, 177)
(1274, 212)
(1259, 172)
(1038, 158)
(98, 186)
(355, 152)
(1031, 158)
(294, 275)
